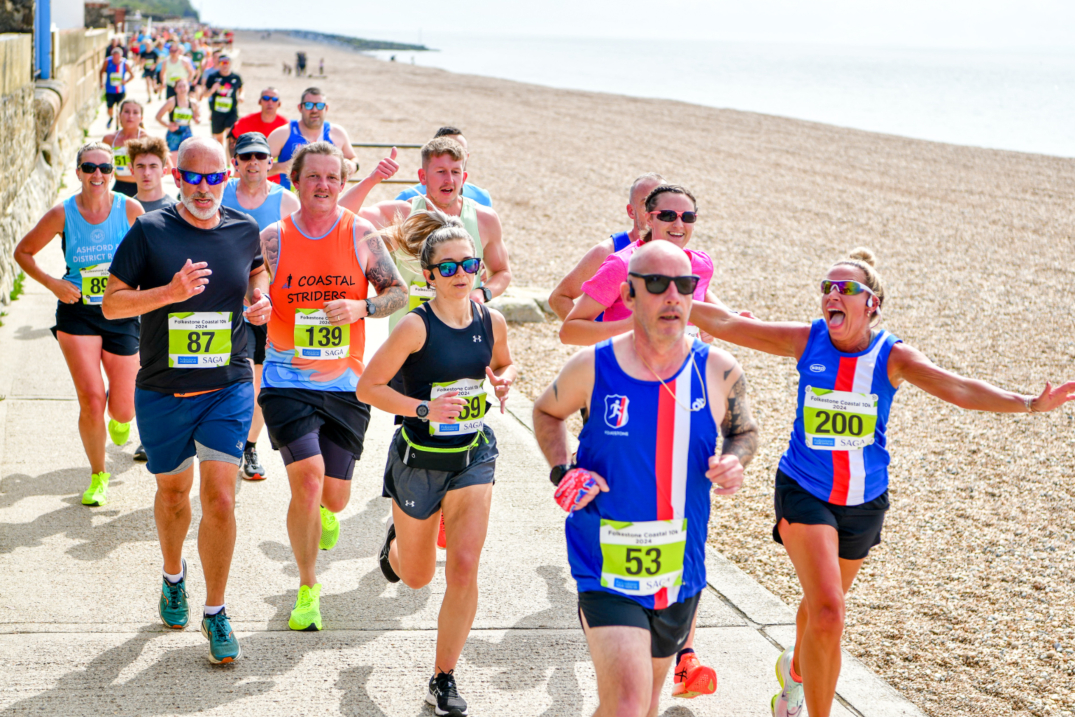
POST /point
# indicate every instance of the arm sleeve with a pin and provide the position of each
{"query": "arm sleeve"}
(129, 261)
(604, 286)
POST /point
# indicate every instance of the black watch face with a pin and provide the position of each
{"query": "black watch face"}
(422, 410)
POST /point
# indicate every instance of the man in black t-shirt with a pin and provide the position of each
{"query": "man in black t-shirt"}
(186, 271)
(224, 89)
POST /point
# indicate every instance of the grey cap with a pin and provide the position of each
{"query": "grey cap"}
(251, 142)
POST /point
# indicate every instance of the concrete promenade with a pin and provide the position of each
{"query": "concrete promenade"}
(79, 632)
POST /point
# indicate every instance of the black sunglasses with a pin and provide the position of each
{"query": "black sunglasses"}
(658, 283)
(312, 105)
(247, 156)
(213, 178)
(451, 268)
(669, 216)
(90, 167)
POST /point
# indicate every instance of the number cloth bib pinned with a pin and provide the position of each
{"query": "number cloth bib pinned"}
(199, 339)
(223, 104)
(121, 161)
(642, 558)
(115, 79)
(419, 294)
(839, 420)
(94, 282)
(472, 418)
(182, 116)
(316, 338)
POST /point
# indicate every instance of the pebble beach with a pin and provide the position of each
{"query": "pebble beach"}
(968, 606)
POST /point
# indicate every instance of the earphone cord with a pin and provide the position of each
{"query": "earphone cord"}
(665, 385)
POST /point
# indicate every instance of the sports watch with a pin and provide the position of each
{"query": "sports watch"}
(371, 309)
(487, 293)
(423, 410)
(558, 472)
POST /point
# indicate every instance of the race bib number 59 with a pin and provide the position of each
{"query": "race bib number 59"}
(642, 558)
(472, 418)
(839, 420)
(199, 339)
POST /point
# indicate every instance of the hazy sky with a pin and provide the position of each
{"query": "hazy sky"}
(902, 23)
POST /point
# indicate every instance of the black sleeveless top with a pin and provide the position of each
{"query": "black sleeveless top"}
(447, 355)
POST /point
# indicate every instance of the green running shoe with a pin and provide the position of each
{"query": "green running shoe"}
(97, 493)
(223, 646)
(173, 607)
(120, 432)
(330, 529)
(307, 613)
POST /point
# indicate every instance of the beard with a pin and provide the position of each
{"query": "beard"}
(203, 214)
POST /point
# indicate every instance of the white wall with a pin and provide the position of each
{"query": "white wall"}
(67, 14)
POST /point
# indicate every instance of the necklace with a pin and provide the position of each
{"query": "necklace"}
(670, 392)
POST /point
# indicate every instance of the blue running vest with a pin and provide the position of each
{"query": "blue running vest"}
(266, 214)
(294, 141)
(90, 247)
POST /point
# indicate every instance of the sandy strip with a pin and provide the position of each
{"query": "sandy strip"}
(968, 607)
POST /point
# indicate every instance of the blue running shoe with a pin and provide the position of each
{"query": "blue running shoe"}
(223, 646)
(173, 607)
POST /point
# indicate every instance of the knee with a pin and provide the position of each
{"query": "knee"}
(827, 615)
(92, 403)
(334, 503)
(416, 579)
(631, 703)
(462, 568)
(172, 500)
(219, 503)
(307, 490)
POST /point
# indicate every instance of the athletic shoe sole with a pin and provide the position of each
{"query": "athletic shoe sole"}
(224, 660)
(432, 700)
(386, 567)
(703, 682)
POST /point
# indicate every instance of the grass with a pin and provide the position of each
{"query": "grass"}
(18, 288)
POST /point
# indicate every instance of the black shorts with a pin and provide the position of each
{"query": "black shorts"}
(256, 336)
(223, 122)
(114, 98)
(127, 189)
(668, 628)
(169, 90)
(119, 336)
(858, 526)
(291, 413)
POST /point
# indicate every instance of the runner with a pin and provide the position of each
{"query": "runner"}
(264, 121)
(91, 225)
(150, 159)
(832, 482)
(130, 127)
(225, 91)
(470, 191)
(176, 67)
(115, 74)
(643, 477)
(317, 336)
(285, 140)
(151, 57)
(562, 298)
(181, 111)
(443, 456)
(193, 389)
(251, 192)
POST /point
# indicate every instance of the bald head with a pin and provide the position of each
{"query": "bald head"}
(660, 257)
(202, 154)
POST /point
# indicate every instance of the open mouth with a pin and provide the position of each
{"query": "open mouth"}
(670, 317)
(834, 317)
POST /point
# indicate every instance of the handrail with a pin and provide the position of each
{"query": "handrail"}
(382, 145)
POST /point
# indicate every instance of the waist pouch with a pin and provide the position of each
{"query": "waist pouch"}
(451, 460)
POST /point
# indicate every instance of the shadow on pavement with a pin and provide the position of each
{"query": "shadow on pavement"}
(29, 333)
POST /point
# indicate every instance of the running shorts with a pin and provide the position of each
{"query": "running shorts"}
(169, 91)
(858, 526)
(291, 413)
(212, 426)
(114, 98)
(119, 336)
(256, 337)
(223, 122)
(418, 492)
(127, 189)
(146, 72)
(174, 139)
(668, 628)
(339, 462)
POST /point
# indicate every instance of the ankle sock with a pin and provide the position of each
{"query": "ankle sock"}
(174, 579)
(250, 445)
(684, 651)
(210, 610)
(794, 676)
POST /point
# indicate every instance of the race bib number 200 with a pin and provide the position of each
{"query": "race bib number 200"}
(839, 420)
(642, 558)
(200, 339)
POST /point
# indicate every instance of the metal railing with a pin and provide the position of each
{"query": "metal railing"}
(389, 145)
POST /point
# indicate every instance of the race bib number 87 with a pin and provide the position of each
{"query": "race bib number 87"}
(199, 339)
(839, 420)
(642, 558)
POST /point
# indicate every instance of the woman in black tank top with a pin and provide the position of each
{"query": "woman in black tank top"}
(443, 456)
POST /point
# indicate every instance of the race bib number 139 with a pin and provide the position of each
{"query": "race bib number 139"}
(316, 338)
(199, 339)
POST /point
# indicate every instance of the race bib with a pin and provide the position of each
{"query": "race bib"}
(315, 338)
(420, 294)
(116, 79)
(642, 558)
(839, 420)
(199, 339)
(182, 116)
(472, 418)
(121, 161)
(94, 282)
(693, 332)
(223, 104)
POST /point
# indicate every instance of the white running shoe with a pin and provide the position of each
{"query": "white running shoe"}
(789, 701)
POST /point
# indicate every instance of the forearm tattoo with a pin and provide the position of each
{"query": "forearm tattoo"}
(738, 428)
(381, 271)
(270, 248)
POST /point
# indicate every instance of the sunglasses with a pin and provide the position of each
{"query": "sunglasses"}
(313, 105)
(449, 269)
(90, 167)
(213, 178)
(847, 288)
(247, 156)
(658, 283)
(669, 216)
(269, 98)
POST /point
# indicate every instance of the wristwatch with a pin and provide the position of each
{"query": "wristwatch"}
(371, 309)
(558, 472)
(487, 293)
(423, 410)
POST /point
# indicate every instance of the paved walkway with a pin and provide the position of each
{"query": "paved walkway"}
(79, 632)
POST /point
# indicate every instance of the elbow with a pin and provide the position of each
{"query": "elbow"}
(567, 334)
(108, 309)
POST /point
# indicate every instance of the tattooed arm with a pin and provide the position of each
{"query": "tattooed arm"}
(738, 428)
(381, 271)
(270, 247)
(731, 410)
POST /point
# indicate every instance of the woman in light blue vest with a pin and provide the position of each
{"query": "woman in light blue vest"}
(91, 225)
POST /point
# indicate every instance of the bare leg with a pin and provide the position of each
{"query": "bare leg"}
(121, 371)
(335, 494)
(216, 534)
(413, 555)
(258, 421)
(304, 516)
(629, 680)
(83, 355)
(171, 510)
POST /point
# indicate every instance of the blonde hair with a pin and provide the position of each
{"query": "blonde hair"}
(439, 146)
(865, 261)
(92, 147)
(418, 236)
(324, 148)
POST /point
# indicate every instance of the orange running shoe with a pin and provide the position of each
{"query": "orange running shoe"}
(692, 678)
(442, 539)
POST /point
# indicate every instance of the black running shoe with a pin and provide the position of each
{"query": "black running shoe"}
(140, 454)
(252, 468)
(386, 567)
(444, 695)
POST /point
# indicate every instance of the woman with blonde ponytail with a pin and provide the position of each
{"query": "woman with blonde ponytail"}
(832, 482)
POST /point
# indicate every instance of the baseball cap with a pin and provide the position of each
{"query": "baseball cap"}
(251, 142)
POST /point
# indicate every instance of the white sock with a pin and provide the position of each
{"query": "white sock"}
(210, 610)
(174, 579)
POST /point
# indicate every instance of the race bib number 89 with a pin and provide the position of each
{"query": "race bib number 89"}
(472, 419)
(199, 339)
(642, 558)
(316, 338)
(839, 420)
(94, 283)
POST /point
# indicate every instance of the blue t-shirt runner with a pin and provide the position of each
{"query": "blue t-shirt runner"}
(470, 191)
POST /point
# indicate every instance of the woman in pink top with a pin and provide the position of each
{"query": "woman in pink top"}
(600, 312)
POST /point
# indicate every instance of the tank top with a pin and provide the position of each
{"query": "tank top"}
(121, 160)
(264, 215)
(294, 141)
(88, 248)
(417, 291)
(620, 241)
(115, 74)
(653, 450)
(450, 360)
(838, 447)
(182, 116)
(303, 349)
(174, 71)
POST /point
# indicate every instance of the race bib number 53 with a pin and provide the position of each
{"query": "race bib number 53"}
(839, 420)
(472, 418)
(642, 558)
(315, 338)
(199, 339)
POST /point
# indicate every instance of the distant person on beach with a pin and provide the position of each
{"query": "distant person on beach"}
(470, 191)
(264, 121)
(300, 64)
(321, 67)
(311, 127)
(562, 299)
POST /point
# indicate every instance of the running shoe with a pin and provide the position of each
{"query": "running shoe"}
(108, 124)
(789, 701)
(386, 567)
(140, 454)
(120, 432)
(97, 493)
(444, 695)
(223, 646)
(692, 678)
(252, 468)
(306, 617)
(330, 529)
(442, 539)
(173, 607)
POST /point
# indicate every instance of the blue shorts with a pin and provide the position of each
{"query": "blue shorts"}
(212, 426)
(174, 139)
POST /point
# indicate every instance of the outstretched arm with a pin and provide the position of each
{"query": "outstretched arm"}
(562, 298)
(771, 337)
(582, 329)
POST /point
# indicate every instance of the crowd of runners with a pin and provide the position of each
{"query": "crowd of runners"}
(242, 302)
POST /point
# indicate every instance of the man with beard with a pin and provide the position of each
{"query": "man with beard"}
(312, 127)
(186, 270)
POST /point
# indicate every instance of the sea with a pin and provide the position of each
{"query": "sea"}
(1021, 100)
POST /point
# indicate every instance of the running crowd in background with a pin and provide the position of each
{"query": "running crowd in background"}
(242, 305)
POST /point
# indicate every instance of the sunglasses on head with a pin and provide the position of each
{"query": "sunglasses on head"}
(658, 283)
(669, 216)
(847, 288)
(90, 167)
(270, 98)
(449, 269)
(313, 105)
(247, 156)
(213, 178)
